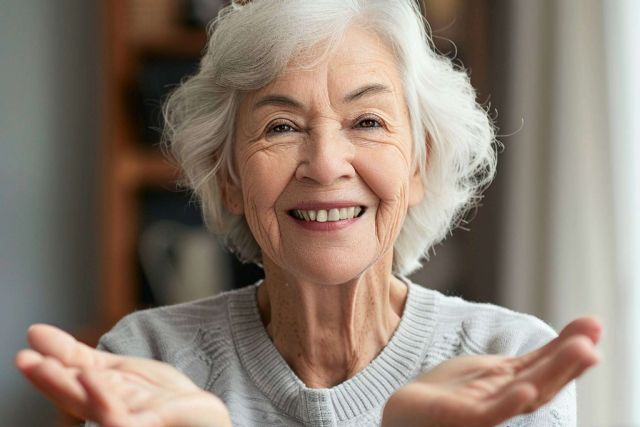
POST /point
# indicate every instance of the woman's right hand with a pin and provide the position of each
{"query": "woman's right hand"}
(485, 390)
(113, 390)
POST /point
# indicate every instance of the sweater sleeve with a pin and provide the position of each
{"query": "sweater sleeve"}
(175, 335)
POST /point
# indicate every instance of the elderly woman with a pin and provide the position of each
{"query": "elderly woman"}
(328, 143)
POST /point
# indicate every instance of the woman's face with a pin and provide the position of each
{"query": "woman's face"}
(324, 161)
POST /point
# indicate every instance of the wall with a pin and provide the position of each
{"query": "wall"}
(48, 143)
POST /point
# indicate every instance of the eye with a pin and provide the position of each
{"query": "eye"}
(368, 122)
(280, 127)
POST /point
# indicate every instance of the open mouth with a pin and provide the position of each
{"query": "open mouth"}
(328, 215)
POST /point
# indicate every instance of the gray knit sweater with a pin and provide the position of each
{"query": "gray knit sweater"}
(221, 344)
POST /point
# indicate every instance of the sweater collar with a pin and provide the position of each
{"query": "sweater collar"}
(397, 363)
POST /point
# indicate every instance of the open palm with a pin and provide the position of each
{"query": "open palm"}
(115, 390)
(485, 390)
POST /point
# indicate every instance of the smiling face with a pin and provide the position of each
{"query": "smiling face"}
(323, 156)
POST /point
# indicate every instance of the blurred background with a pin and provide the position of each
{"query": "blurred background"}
(92, 225)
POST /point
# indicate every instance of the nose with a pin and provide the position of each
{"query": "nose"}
(327, 158)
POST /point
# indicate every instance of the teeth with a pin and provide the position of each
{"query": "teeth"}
(323, 215)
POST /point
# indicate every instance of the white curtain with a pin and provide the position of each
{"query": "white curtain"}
(622, 41)
(571, 226)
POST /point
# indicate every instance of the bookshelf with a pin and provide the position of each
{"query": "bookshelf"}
(128, 164)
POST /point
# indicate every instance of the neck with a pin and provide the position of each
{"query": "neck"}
(328, 333)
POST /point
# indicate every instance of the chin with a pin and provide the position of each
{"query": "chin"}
(331, 270)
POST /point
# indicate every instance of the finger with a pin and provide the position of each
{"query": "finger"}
(460, 410)
(53, 342)
(46, 376)
(27, 359)
(122, 403)
(434, 406)
(507, 404)
(154, 372)
(99, 388)
(588, 326)
(107, 405)
(57, 382)
(121, 391)
(583, 326)
(467, 368)
(569, 361)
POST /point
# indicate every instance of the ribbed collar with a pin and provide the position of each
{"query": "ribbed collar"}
(394, 366)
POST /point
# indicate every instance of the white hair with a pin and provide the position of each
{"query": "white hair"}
(250, 44)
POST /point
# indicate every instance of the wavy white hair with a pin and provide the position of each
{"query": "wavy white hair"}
(250, 44)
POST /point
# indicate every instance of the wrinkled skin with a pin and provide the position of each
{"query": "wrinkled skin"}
(329, 147)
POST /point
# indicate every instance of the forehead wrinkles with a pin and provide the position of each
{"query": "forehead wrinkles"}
(310, 87)
(327, 89)
(361, 57)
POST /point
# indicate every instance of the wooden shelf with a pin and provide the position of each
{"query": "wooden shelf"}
(135, 168)
(134, 30)
(175, 42)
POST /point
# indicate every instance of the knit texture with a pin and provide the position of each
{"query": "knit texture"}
(222, 345)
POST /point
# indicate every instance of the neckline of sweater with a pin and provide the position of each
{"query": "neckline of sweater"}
(369, 389)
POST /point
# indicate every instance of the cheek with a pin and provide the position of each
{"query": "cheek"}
(385, 171)
(264, 177)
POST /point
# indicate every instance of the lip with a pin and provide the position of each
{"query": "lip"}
(324, 226)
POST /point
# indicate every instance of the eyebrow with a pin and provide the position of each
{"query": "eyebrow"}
(279, 101)
(366, 90)
(285, 101)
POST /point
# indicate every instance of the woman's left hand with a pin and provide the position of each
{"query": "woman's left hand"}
(115, 390)
(485, 390)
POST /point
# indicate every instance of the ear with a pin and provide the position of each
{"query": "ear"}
(416, 188)
(231, 195)
(416, 185)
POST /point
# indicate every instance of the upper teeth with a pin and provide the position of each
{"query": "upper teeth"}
(324, 215)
